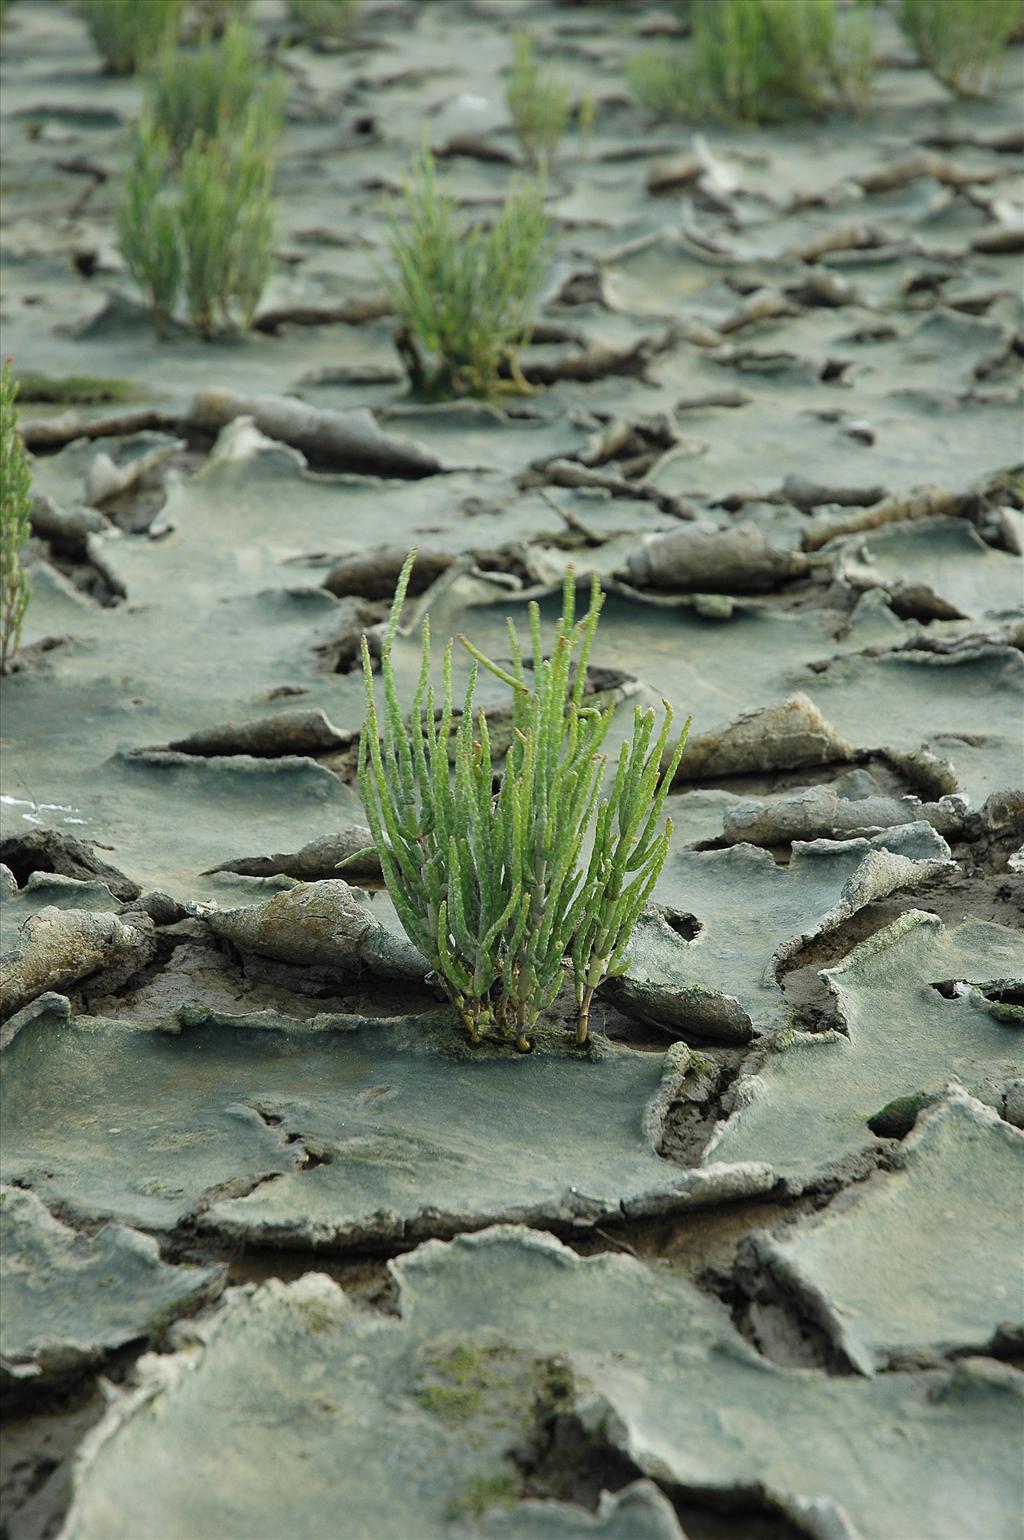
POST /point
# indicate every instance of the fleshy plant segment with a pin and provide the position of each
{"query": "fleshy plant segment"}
(492, 885)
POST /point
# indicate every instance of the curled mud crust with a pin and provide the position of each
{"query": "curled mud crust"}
(278, 1242)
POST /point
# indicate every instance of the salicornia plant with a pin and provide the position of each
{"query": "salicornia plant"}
(15, 480)
(492, 885)
(208, 232)
(538, 101)
(215, 16)
(758, 60)
(131, 33)
(961, 41)
(227, 226)
(212, 90)
(465, 295)
(147, 223)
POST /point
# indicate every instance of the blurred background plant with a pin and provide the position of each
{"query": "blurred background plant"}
(226, 226)
(147, 223)
(196, 216)
(211, 90)
(754, 61)
(465, 295)
(213, 17)
(962, 41)
(15, 502)
(324, 18)
(538, 100)
(130, 34)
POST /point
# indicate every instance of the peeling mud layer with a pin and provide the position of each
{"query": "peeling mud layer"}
(277, 1245)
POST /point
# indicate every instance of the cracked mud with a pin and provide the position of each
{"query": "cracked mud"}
(277, 1245)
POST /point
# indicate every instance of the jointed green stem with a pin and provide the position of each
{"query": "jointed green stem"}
(488, 884)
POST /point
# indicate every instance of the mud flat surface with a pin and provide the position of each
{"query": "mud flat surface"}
(281, 1256)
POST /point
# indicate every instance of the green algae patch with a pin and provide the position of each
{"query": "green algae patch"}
(492, 1381)
(897, 1118)
(76, 389)
(500, 1490)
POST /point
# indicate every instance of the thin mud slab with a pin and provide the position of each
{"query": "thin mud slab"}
(278, 1244)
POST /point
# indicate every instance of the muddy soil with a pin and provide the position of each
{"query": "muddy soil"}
(277, 1245)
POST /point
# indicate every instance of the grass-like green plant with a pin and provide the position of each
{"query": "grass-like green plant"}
(147, 223)
(131, 33)
(209, 233)
(226, 225)
(962, 41)
(491, 886)
(215, 16)
(467, 296)
(15, 481)
(324, 18)
(538, 101)
(755, 61)
(211, 90)
(660, 81)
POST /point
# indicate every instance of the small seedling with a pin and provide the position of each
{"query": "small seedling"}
(15, 480)
(131, 33)
(324, 18)
(489, 884)
(465, 295)
(212, 90)
(962, 41)
(538, 101)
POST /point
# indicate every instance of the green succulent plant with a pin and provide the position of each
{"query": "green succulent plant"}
(754, 61)
(208, 232)
(147, 223)
(131, 33)
(962, 41)
(226, 227)
(213, 89)
(465, 296)
(538, 101)
(491, 885)
(15, 528)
